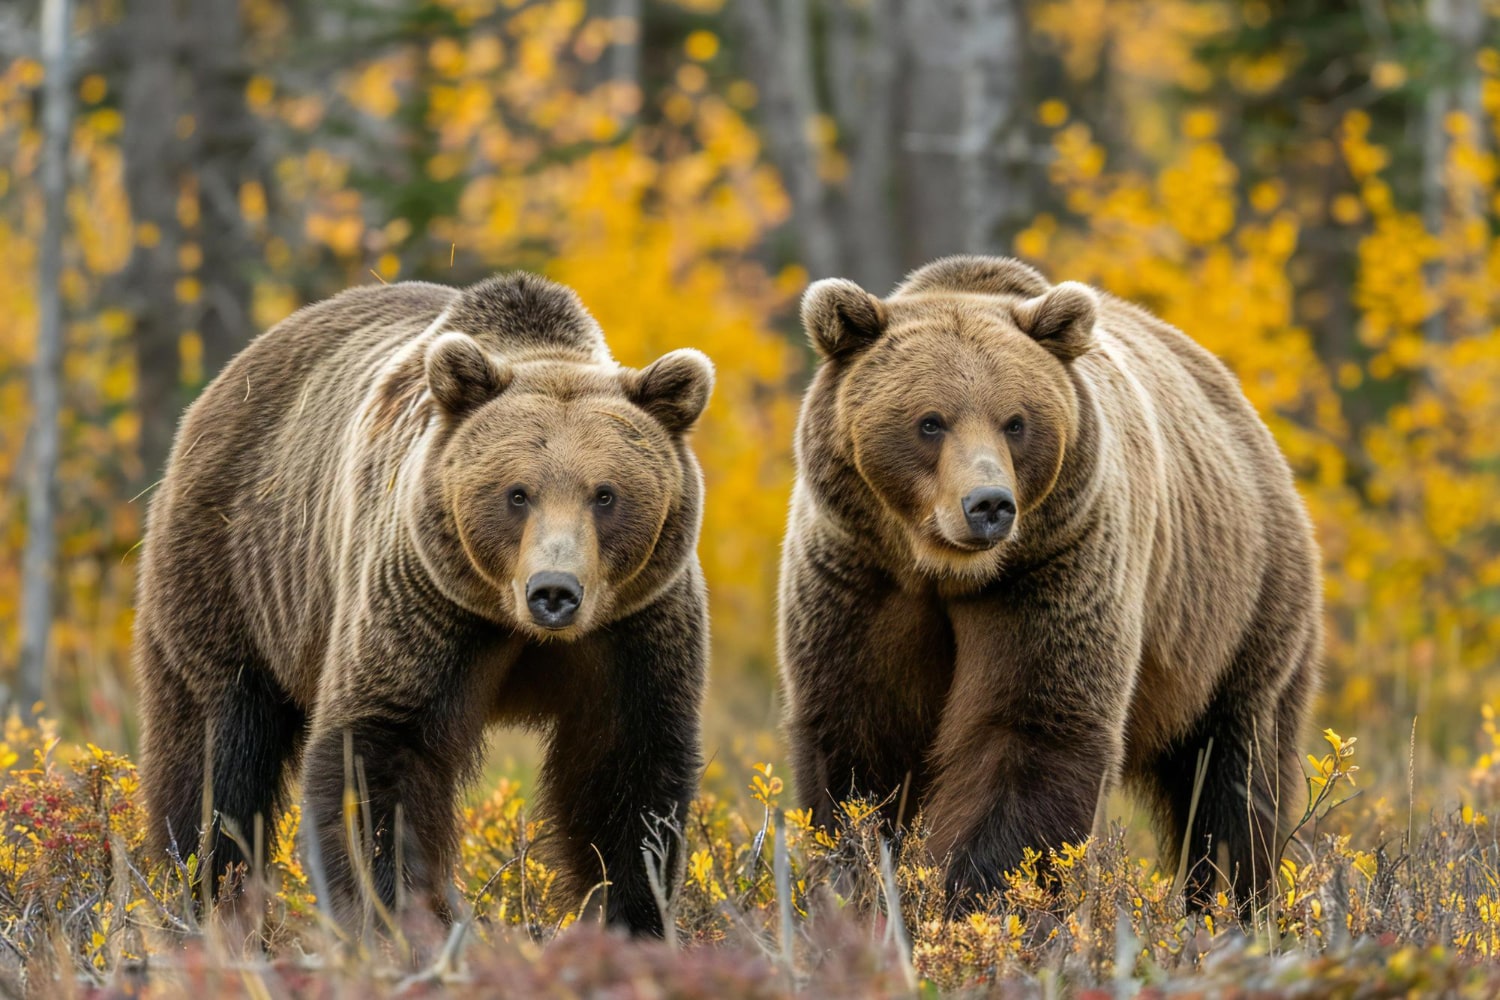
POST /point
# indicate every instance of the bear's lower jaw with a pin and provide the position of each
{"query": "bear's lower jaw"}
(545, 633)
(942, 558)
(969, 547)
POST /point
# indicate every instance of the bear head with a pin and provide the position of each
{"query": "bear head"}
(566, 485)
(947, 407)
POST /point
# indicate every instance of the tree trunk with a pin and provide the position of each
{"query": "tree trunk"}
(625, 53)
(997, 158)
(152, 166)
(862, 61)
(931, 125)
(966, 153)
(780, 49)
(224, 159)
(40, 557)
(932, 105)
(1458, 25)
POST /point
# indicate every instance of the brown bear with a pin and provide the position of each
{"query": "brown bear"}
(1040, 542)
(398, 516)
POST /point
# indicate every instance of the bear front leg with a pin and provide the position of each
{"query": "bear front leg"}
(1032, 734)
(865, 667)
(405, 769)
(625, 756)
(403, 740)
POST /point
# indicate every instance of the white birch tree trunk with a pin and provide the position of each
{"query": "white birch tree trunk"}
(625, 53)
(965, 144)
(39, 560)
(779, 38)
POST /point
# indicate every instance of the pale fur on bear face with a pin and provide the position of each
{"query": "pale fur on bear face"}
(557, 467)
(944, 396)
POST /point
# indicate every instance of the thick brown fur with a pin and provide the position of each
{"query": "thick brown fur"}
(338, 556)
(1159, 588)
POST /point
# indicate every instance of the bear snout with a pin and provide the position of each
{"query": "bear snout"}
(553, 598)
(990, 512)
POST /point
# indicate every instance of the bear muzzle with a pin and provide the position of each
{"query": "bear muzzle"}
(553, 599)
(990, 513)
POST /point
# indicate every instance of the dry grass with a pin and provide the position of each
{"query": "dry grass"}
(769, 907)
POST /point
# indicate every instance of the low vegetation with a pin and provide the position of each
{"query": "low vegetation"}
(1375, 900)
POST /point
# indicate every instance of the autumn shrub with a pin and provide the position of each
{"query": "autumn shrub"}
(768, 904)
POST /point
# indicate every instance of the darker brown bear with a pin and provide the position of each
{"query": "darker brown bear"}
(1040, 542)
(399, 516)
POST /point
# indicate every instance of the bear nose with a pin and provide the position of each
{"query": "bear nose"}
(990, 510)
(553, 598)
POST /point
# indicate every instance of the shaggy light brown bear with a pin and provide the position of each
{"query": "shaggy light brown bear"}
(399, 516)
(1040, 542)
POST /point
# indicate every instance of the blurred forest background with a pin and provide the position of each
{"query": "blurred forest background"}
(1308, 187)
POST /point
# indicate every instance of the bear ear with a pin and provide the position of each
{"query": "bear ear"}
(674, 388)
(461, 376)
(840, 317)
(1061, 320)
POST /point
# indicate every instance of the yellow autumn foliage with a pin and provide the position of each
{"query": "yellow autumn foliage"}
(658, 207)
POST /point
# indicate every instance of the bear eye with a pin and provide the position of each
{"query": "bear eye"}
(604, 497)
(931, 425)
(1015, 427)
(518, 498)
